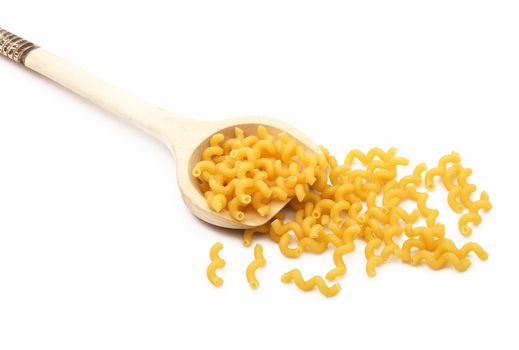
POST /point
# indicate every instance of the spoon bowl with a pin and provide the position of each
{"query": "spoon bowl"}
(189, 153)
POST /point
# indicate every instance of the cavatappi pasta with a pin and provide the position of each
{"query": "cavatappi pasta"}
(259, 261)
(249, 172)
(337, 206)
(216, 263)
(316, 281)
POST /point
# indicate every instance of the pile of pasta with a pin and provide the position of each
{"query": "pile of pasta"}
(249, 172)
(362, 199)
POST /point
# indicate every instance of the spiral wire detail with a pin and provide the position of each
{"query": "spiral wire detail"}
(14, 47)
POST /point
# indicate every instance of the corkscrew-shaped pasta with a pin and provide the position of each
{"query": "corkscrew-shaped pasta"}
(216, 263)
(449, 176)
(259, 261)
(340, 266)
(464, 221)
(440, 262)
(453, 158)
(316, 281)
(367, 158)
(287, 251)
(473, 215)
(415, 179)
(376, 260)
(333, 205)
(248, 233)
(446, 245)
(452, 199)
(246, 173)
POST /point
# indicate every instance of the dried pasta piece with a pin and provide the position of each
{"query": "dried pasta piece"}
(292, 253)
(315, 246)
(446, 245)
(466, 192)
(316, 281)
(442, 261)
(216, 263)
(449, 178)
(474, 207)
(248, 233)
(376, 260)
(463, 223)
(334, 205)
(259, 261)
(242, 166)
(440, 169)
(340, 266)
(415, 179)
(452, 199)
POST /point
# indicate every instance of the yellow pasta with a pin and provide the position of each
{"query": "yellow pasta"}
(446, 245)
(292, 253)
(241, 187)
(234, 209)
(316, 281)
(473, 215)
(333, 205)
(240, 167)
(464, 221)
(466, 192)
(463, 175)
(280, 228)
(375, 260)
(415, 179)
(440, 169)
(313, 245)
(216, 263)
(452, 199)
(259, 261)
(449, 177)
(440, 262)
(340, 266)
(354, 213)
(248, 233)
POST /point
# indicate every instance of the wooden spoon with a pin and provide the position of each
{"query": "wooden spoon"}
(186, 138)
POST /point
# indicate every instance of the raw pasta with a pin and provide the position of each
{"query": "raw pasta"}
(249, 172)
(259, 261)
(216, 263)
(336, 205)
(316, 281)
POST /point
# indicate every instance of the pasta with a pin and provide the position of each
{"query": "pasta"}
(259, 261)
(441, 261)
(216, 263)
(248, 233)
(316, 281)
(340, 266)
(334, 205)
(455, 180)
(440, 170)
(249, 172)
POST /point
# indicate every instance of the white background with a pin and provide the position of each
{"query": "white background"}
(96, 247)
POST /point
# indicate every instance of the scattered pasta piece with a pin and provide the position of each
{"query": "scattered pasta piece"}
(259, 261)
(216, 263)
(334, 205)
(316, 281)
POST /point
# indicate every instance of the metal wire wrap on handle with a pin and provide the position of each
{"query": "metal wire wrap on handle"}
(14, 47)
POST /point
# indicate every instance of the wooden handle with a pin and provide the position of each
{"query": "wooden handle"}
(103, 94)
(14, 47)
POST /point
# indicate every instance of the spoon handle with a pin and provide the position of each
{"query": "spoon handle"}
(98, 91)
